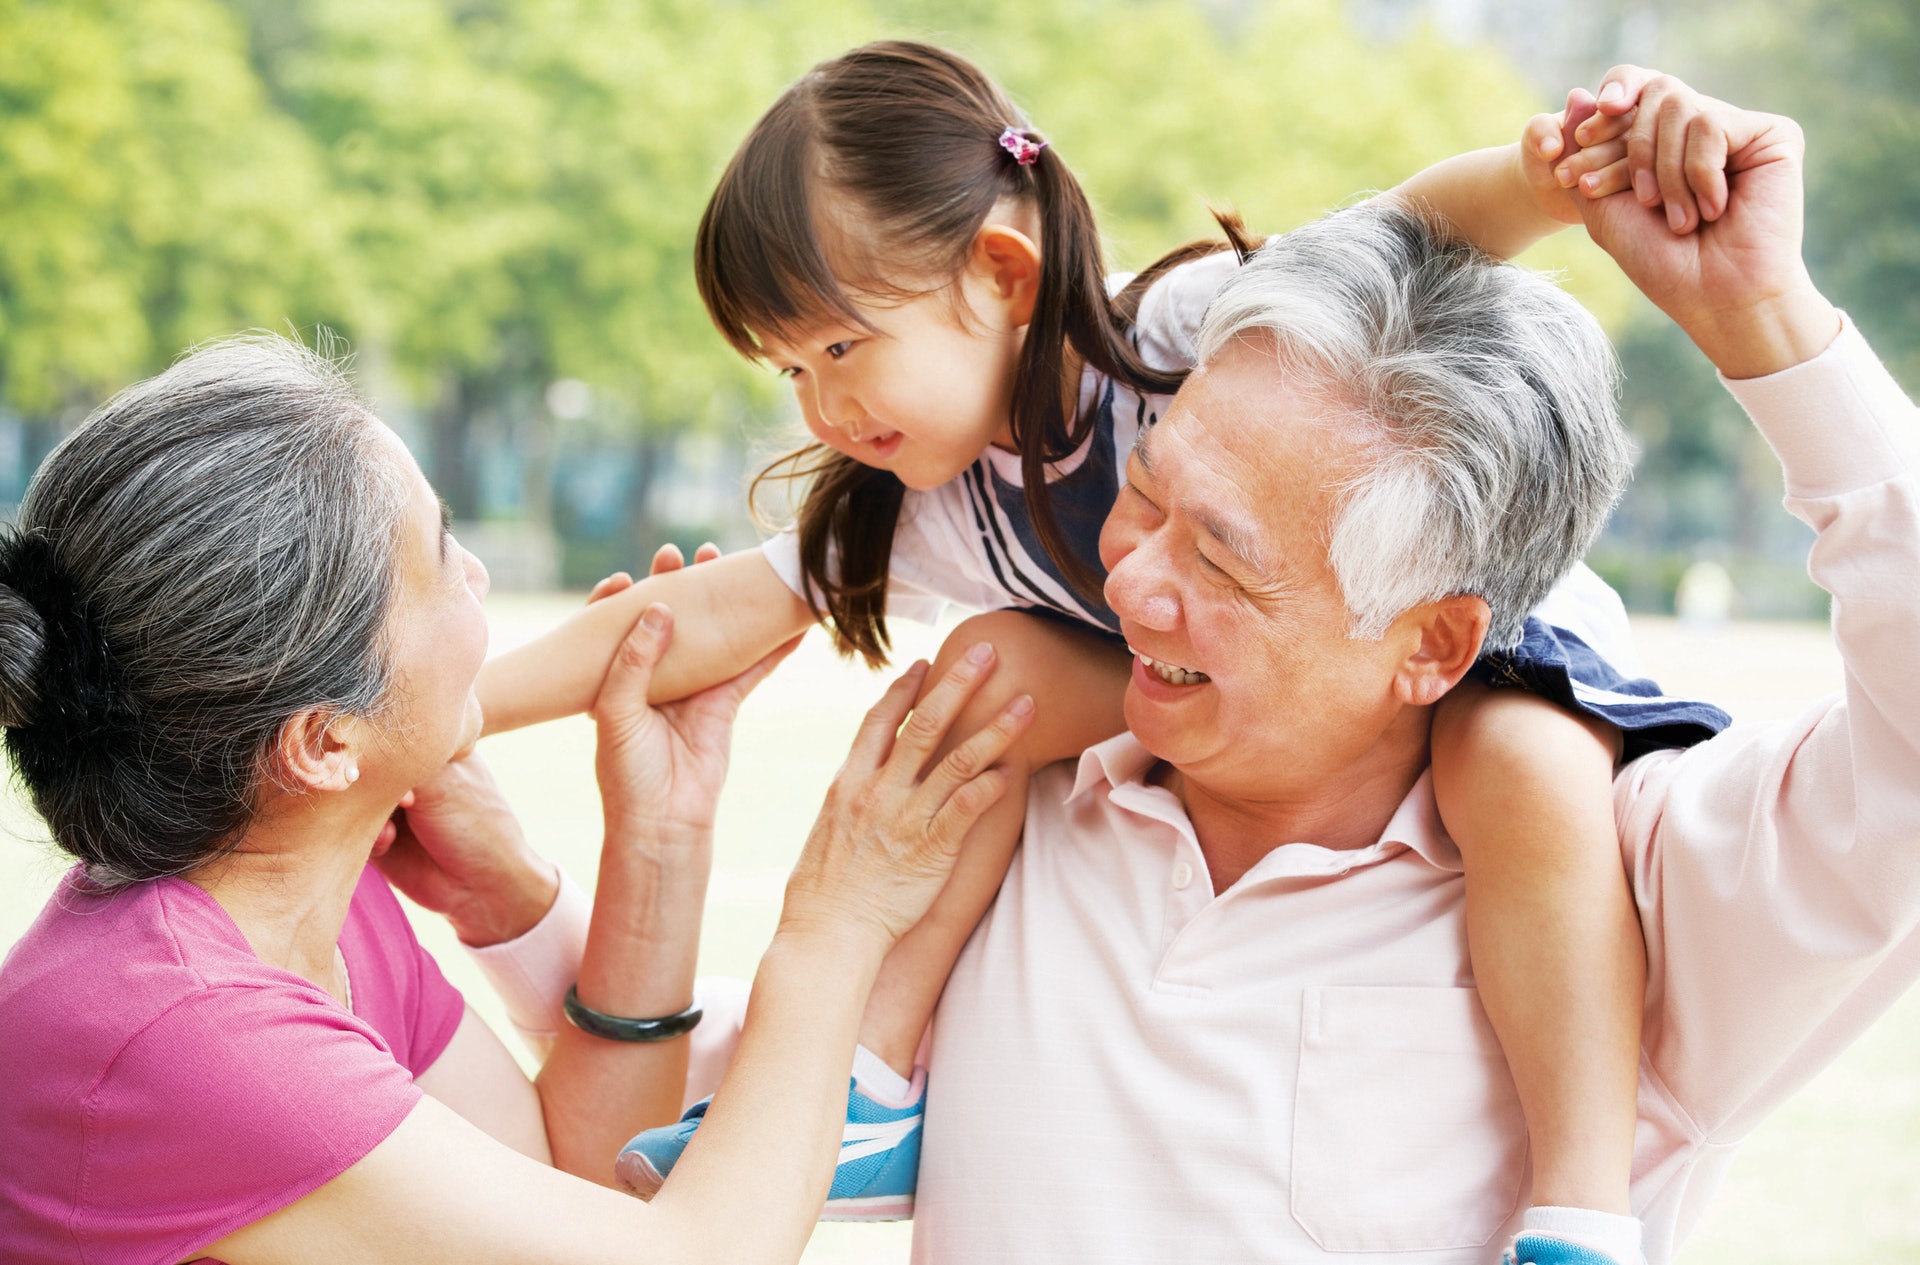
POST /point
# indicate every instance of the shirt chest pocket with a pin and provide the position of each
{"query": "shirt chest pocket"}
(1408, 1134)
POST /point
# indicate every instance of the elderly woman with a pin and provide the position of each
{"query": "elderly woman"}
(234, 635)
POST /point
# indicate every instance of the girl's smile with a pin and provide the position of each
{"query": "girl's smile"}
(922, 390)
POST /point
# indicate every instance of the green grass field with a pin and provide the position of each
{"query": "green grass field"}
(1837, 1168)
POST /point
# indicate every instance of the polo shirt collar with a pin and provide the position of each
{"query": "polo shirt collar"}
(1415, 824)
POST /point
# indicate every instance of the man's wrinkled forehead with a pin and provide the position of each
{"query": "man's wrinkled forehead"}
(1197, 480)
(1258, 453)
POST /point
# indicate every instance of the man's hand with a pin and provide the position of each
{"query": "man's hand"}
(457, 849)
(1737, 285)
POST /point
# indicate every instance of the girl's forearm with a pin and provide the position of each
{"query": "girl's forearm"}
(1484, 194)
(728, 615)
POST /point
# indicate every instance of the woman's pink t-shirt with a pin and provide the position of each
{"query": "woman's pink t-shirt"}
(160, 1086)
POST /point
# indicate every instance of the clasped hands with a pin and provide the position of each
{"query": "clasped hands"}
(1701, 204)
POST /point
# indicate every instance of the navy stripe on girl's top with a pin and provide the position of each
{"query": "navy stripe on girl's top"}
(1081, 500)
(1559, 666)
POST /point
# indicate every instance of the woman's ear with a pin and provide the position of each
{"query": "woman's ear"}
(319, 751)
(1446, 640)
(1006, 262)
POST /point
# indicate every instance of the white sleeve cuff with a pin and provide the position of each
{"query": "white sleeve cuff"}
(782, 552)
(906, 598)
(533, 972)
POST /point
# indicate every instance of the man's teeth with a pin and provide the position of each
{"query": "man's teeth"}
(1173, 675)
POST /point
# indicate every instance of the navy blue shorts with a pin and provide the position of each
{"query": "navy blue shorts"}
(1561, 668)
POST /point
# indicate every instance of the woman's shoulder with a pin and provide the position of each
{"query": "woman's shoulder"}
(108, 958)
(157, 1065)
(101, 966)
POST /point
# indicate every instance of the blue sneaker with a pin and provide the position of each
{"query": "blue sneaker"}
(879, 1155)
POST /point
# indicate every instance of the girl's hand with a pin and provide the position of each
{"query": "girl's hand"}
(1677, 150)
(1645, 131)
(1574, 155)
(887, 836)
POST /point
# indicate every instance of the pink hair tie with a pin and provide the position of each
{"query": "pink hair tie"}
(1024, 148)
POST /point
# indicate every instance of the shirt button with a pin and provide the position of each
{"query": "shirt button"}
(1182, 875)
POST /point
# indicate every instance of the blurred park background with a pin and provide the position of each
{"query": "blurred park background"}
(492, 202)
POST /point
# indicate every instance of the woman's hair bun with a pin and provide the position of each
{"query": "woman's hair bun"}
(55, 674)
(23, 645)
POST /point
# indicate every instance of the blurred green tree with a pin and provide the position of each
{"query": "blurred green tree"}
(1849, 72)
(149, 197)
(488, 196)
(1281, 109)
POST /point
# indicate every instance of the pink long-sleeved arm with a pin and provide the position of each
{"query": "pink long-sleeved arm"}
(1777, 867)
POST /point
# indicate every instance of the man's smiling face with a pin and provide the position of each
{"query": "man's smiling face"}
(1217, 554)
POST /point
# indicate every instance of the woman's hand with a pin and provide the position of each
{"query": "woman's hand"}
(660, 771)
(661, 768)
(456, 848)
(890, 830)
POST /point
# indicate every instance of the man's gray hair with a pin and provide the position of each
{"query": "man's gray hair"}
(1494, 392)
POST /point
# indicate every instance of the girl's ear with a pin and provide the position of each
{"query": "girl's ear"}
(319, 751)
(1007, 263)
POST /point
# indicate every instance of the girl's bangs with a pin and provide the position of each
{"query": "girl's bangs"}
(757, 258)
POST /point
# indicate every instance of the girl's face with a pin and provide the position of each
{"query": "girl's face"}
(928, 388)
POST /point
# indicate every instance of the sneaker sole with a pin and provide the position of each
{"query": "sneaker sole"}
(637, 1173)
(870, 1208)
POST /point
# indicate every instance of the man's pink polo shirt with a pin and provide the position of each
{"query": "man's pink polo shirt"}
(1128, 1067)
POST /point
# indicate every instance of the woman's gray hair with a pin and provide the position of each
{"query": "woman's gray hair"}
(1493, 390)
(211, 553)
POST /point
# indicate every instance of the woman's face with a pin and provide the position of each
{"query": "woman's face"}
(438, 636)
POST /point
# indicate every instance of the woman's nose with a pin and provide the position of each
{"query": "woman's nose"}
(477, 578)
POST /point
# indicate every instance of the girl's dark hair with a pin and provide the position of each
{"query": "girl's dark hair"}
(211, 553)
(908, 136)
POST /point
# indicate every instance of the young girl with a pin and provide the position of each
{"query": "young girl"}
(924, 268)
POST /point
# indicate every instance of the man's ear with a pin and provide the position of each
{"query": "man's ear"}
(1446, 637)
(1007, 262)
(318, 751)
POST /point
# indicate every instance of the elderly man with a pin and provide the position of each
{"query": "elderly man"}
(1223, 1008)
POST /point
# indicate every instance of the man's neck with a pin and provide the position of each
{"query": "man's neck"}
(1344, 808)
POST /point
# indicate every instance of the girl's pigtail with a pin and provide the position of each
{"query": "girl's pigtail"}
(1071, 309)
(845, 525)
